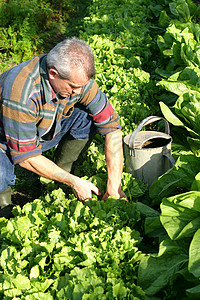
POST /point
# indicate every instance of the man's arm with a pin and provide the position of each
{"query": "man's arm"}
(114, 160)
(46, 168)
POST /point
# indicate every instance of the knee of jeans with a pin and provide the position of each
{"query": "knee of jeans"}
(6, 181)
(7, 176)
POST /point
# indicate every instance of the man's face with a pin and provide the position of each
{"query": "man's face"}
(65, 87)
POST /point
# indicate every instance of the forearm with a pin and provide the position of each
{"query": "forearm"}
(114, 159)
(44, 167)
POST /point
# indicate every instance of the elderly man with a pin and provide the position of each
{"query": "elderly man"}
(53, 100)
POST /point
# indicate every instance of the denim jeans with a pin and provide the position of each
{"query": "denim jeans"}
(7, 176)
(79, 125)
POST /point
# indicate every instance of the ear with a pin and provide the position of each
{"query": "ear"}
(52, 73)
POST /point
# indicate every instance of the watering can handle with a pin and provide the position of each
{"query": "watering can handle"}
(171, 159)
(145, 122)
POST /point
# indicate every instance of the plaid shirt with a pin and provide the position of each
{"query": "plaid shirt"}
(29, 107)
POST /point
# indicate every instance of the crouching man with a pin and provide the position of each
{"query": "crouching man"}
(54, 100)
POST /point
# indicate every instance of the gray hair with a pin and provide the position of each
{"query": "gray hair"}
(70, 54)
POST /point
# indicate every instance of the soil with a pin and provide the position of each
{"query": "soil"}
(27, 187)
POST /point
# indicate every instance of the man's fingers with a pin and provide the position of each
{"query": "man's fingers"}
(117, 195)
(95, 190)
(84, 189)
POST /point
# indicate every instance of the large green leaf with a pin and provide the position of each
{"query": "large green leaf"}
(194, 255)
(181, 215)
(176, 87)
(181, 175)
(183, 10)
(187, 108)
(194, 292)
(196, 183)
(169, 116)
(156, 271)
(194, 145)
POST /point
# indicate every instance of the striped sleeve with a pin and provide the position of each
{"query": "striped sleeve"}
(18, 111)
(20, 130)
(104, 116)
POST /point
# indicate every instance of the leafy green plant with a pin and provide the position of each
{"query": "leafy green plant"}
(178, 254)
(57, 247)
(181, 43)
(177, 262)
(18, 46)
(179, 178)
(27, 27)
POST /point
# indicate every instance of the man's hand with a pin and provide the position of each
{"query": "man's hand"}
(111, 191)
(118, 195)
(83, 188)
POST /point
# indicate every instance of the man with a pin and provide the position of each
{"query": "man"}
(53, 99)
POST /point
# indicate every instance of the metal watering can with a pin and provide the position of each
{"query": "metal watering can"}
(148, 153)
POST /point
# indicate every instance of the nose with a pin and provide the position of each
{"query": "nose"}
(77, 90)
